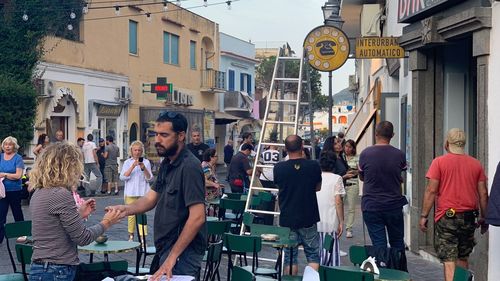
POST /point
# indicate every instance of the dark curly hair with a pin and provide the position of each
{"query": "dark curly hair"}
(327, 161)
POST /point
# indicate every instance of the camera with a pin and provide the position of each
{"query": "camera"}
(141, 159)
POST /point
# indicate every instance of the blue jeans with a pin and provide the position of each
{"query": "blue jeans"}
(49, 272)
(188, 263)
(12, 199)
(380, 221)
(309, 238)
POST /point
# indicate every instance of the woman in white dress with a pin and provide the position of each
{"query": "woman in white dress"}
(331, 209)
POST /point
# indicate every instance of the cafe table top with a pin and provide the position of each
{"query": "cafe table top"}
(109, 247)
(386, 274)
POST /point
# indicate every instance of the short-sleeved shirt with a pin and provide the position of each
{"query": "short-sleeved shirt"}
(10, 167)
(269, 157)
(380, 167)
(88, 149)
(113, 154)
(180, 184)
(198, 150)
(239, 167)
(297, 180)
(458, 176)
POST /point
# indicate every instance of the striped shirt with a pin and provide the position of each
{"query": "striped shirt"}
(58, 228)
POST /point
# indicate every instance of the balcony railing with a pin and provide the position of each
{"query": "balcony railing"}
(213, 80)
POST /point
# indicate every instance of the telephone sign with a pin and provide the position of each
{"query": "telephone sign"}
(327, 48)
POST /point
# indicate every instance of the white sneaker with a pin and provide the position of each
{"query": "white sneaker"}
(342, 253)
(348, 234)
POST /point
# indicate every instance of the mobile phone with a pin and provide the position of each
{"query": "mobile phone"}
(141, 159)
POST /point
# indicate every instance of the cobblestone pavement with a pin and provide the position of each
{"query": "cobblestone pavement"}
(420, 269)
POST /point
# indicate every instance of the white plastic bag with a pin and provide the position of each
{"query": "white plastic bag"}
(2, 189)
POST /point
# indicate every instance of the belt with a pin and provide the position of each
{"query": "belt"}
(48, 263)
(349, 184)
(451, 213)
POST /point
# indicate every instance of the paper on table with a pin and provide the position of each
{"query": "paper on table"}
(310, 274)
(178, 278)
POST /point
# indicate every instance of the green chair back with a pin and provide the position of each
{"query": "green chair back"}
(240, 274)
(357, 254)
(462, 274)
(248, 219)
(256, 201)
(141, 219)
(259, 229)
(16, 229)
(235, 196)
(265, 196)
(236, 205)
(101, 266)
(243, 244)
(334, 274)
(24, 253)
(215, 230)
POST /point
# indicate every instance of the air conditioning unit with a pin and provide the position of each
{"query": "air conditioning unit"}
(353, 83)
(124, 93)
(46, 88)
(370, 20)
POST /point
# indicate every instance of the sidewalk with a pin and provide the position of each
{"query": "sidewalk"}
(420, 269)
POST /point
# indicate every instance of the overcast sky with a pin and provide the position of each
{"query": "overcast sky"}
(272, 22)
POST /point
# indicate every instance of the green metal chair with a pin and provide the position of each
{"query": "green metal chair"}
(246, 244)
(101, 270)
(141, 221)
(23, 254)
(462, 274)
(12, 277)
(334, 274)
(13, 231)
(212, 262)
(237, 208)
(235, 196)
(240, 274)
(357, 254)
(216, 229)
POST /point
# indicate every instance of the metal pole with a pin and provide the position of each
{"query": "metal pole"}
(330, 104)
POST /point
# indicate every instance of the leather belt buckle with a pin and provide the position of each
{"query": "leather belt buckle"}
(450, 213)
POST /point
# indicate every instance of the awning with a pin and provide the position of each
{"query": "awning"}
(222, 118)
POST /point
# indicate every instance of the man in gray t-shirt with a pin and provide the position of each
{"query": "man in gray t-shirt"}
(111, 153)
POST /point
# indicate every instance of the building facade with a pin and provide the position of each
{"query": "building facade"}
(116, 63)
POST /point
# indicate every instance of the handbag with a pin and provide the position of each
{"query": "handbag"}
(2, 189)
(238, 182)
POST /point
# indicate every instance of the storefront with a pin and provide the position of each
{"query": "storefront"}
(448, 46)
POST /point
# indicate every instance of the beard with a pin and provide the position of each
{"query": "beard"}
(166, 152)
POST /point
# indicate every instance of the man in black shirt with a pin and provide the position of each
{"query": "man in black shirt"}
(179, 197)
(239, 169)
(196, 146)
(298, 181)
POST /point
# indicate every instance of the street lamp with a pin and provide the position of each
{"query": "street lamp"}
(331, 14)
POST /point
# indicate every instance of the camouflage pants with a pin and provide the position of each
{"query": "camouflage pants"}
(454, 238)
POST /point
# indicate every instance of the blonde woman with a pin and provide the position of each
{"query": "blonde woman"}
(11, 170)
(57, 223)
(136, 173)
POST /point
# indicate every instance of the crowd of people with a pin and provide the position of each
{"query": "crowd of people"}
(326, 189)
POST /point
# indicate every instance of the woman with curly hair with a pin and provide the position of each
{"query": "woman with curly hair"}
(57, 222)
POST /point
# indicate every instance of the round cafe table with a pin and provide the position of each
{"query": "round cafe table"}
(112, 247)
(385, 274)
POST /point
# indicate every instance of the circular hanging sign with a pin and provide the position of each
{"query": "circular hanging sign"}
(327, 48)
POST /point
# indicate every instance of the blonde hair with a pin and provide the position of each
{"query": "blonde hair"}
(136, 143)
(12, 140)
(60, 165)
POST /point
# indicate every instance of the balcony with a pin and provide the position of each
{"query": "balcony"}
(238, 104)
(212, 81)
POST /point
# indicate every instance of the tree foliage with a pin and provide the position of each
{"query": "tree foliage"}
(23, 26)
(264, 75)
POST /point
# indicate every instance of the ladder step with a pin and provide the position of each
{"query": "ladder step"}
(272, 143)
(287, 79)
(289, 58)
(263, 212)
(264, 166)
(280, 122)
(284, 101)
(264, 188)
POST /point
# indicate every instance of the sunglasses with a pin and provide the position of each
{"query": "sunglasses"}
(169, 114)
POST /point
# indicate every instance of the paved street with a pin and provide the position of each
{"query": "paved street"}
(420, 269)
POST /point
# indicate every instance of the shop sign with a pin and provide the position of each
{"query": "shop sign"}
(109, 110)
(378, 47)
(327, 48)
(411, 10)
(179, 98)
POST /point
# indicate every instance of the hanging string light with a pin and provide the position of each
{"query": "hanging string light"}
(117, 10)
(85, 8)
(165, 6)
(70, 27)
(205, 3)
(72, 15)
(228, 5)
(25, 16)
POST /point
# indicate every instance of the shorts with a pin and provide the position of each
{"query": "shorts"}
(111, 173)
(308, 237)
(454, 238)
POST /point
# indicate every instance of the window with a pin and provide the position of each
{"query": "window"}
(249, 84)
(192, 54)
(242, 82)
(170, 48)
(246, 83)
(230, 74)
(132, 37)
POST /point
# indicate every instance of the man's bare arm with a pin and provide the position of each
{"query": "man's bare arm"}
(142, 205)
(483, 198)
